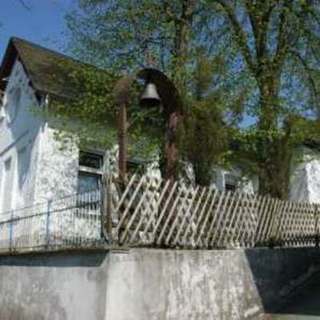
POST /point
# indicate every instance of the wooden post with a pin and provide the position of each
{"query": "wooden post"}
(107, 208)
(122, 140)
(274, 224)
(122, 99)
(171, 150)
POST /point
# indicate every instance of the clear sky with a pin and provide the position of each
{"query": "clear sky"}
(43, 23)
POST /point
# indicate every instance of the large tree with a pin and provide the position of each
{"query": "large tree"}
(278, 42)
(126, 35)
(270, 49)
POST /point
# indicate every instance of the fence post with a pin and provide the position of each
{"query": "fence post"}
(48, 224)
(107, 208)
(275, 224)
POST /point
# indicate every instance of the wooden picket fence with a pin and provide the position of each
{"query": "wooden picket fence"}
(149, 211)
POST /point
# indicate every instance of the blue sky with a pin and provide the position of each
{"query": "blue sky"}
(43, 23)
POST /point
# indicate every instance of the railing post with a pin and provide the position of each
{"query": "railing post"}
(316, 225)
(11, 232)
(48, 224)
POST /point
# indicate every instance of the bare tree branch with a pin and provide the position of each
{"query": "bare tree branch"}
(260, 18)
(283, 43)
(241, 36)
(308, 71)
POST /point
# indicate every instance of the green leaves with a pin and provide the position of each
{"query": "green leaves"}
(228, 59)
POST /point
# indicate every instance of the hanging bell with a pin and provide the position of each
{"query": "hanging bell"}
(150, 96)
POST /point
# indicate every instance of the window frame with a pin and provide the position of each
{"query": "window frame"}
(89, 171)
(232, 181)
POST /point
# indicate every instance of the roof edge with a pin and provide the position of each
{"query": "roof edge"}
(7, 62)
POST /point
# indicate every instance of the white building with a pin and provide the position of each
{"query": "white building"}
(33, 167)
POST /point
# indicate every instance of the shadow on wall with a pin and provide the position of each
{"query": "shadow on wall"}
(294, 276)
(305, 301)
(70, 259)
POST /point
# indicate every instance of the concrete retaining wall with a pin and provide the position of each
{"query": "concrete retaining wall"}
(151, 284)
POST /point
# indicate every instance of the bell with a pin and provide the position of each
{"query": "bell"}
(150, 96)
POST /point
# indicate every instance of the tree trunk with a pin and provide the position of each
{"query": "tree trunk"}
(171, 150)
(183, 23)
(273, 151)
(122, 138)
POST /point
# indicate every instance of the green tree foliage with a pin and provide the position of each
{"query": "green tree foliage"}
(127, 33)
(200, 147)
(157, 33)
(88, 114)
(88, 109)
(277, 43)
(270, 51)
(210, 118)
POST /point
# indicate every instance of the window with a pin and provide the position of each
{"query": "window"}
(1, 97)
(90, 171)
(2, 113)
(13, 104)
(91, 160)
(2, 104)
(136, 166)
(7, 186)
(214, 176)
(230, 182)
(23, 165)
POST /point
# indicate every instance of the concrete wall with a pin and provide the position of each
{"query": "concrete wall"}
(151, 284)
(55, 287)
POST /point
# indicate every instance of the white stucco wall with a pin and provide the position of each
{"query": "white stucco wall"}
(20, 135)
(46, 170)
(57, 170)
(305, 178)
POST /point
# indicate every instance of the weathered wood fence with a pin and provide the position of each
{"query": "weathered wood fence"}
(149, 211)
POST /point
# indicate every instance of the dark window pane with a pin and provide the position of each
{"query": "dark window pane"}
(230, 187)
(90, 160)
(230, 182)
(88, 182)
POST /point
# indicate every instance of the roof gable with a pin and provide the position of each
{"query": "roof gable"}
(49, 72)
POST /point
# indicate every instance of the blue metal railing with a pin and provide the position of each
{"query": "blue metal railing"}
(70, 222)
